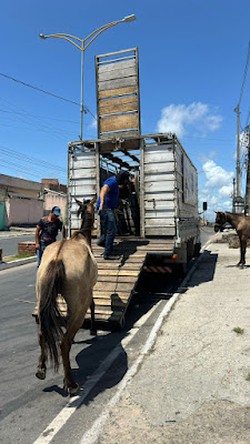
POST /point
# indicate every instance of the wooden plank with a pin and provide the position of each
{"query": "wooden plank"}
(126, 121)
(115, 294)
(112, 287)
(108, 316)
(101, 311)
(118, 65)
(126, 82)
(117, 73)
(120, 105)
(118, 92)
(113, 279)
(118, 273)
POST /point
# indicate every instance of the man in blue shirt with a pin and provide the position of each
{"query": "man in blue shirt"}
(106, 204)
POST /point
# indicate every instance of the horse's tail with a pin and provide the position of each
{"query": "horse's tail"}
(49, 314)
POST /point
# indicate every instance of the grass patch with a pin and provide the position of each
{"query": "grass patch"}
(16, 257)
(238, 330)
(248, 377)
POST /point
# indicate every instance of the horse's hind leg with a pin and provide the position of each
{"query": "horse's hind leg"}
(243, 253)
(41, 368)
(68, 383)
(243, 248)
(92, 324)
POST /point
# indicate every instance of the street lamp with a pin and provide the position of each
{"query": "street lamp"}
(83, 44)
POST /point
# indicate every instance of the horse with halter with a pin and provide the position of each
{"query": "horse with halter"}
(241, 223)
(68, 268)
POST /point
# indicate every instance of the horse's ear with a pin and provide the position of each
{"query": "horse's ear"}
(94, 199)
(79, 202)
(81, 207)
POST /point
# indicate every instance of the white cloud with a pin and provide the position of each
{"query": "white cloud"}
(217, 188)
(93, 123)
(216, 176)
(196, 116)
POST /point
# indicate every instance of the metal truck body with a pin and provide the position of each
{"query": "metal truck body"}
(166, 188)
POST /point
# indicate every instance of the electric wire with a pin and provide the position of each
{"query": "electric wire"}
(244, 75)
(28, 85)
(29, 159)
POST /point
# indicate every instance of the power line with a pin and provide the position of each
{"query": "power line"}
(25, 171)
(29, 159)
(28, 85)
(245, 74)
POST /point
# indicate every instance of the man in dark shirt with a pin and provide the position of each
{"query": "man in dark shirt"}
(47, 231)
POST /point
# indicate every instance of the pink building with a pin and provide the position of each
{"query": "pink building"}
(24, 202)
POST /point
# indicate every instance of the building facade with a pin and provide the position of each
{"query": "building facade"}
(24, 202)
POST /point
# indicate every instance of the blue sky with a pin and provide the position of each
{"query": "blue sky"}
(192, 56)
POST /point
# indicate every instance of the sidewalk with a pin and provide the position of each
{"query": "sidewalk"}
(193, 387)
(16, 232)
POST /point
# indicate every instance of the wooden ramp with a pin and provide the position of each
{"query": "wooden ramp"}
(117, 279)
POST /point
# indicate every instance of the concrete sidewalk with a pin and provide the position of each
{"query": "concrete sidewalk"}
(193, 387)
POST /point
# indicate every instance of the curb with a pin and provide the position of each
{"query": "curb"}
(6, 265)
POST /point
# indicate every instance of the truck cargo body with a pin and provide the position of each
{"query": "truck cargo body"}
(165, 189)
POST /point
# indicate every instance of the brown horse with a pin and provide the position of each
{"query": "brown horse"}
(241, 224)
(68, 268)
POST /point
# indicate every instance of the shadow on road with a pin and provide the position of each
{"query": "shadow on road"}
(151, 289)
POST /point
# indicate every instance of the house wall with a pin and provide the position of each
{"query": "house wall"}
(23, 211)
(24, 202)
(52, 199)
(20, 187)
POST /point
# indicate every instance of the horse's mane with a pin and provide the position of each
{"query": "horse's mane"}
(86, 228)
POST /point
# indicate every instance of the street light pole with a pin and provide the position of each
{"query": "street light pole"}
(83, 44)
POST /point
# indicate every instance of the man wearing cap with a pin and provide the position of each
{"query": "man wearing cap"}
(47, 231)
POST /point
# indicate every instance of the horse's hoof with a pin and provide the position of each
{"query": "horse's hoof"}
(73, 391)
(41, 373)
(93, 332)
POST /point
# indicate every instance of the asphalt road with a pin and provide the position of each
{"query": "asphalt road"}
(27, 404)
(9, 244)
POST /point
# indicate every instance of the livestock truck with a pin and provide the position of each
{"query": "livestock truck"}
(158, 224)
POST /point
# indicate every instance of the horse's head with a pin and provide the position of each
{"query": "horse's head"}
(86, 211)
(220, 220)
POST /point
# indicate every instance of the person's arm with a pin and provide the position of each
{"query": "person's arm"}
(37, 232)
(103, 193)
(63, 231)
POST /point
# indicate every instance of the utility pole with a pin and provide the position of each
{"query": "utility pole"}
(247, 198)
(238, 169)
(233, 196)
(238, 200)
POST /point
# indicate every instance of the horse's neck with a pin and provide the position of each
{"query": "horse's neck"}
(86, 230)
(233, 218)
(87, 236)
